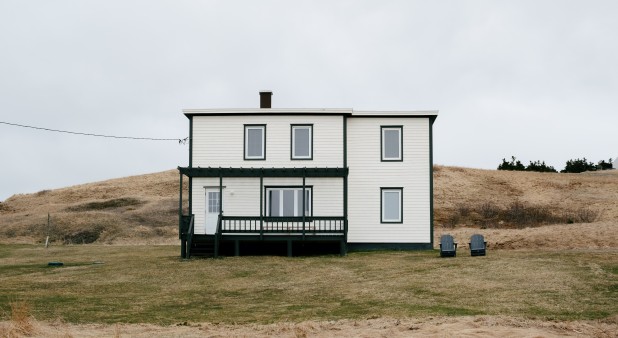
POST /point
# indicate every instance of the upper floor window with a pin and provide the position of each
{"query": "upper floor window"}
(392, 143)
(255, 142)
(302, 142)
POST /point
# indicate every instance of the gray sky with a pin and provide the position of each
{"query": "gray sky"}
(535, 79)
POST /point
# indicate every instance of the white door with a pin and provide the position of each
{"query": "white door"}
(212, 210)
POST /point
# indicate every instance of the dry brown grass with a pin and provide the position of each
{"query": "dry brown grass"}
(498, 199)
(138, 209)
(20, 321)
(144, 209)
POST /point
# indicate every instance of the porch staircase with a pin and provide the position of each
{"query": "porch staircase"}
(203, 247)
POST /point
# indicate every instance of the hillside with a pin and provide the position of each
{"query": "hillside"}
(512, 209)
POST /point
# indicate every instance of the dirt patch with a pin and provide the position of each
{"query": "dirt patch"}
(470, 326)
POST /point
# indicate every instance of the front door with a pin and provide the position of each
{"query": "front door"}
(212, 210)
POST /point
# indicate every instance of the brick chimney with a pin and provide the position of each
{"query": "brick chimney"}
(265, 99)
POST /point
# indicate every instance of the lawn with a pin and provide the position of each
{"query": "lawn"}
(150, 284)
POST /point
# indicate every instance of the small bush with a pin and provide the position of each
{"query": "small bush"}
(540, 167)
(514, 164)
(20, 319)
(602, 165)
(578, 166)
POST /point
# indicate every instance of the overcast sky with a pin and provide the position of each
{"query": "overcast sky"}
(535, 79)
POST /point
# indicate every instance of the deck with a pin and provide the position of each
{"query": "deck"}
(238, 230)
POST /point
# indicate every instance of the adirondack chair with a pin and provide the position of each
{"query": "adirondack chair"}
(448, 247)
(478, 245)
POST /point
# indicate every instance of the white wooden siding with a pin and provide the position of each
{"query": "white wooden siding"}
(241, 196)
(368, 174)
(218, 141)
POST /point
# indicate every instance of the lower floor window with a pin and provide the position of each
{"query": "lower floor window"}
(392, 205)
(288, 202)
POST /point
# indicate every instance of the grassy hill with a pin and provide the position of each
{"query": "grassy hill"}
(516, 209)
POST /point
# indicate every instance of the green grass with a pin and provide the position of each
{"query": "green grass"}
(150, 284)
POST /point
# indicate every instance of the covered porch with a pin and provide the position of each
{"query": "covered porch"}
(263, 228)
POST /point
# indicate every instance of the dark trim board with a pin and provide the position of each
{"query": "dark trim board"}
(352, 247)
(264, 172)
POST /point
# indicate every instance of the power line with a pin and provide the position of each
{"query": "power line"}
(180, 141)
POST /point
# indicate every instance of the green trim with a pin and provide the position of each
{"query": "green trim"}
(388, 246)
(345, 141)
(382, 221)
(244, 143)
(191, 141)
(292, 158)
(190, 165)
(264, 172)
(382, 159)
(345, 179)
(431, 217)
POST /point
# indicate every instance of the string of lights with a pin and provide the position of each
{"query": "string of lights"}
(180, 141)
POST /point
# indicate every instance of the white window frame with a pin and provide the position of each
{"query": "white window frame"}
(383, 208)
(297, 195)
(248, 127)
(296, 127)
(383, 130)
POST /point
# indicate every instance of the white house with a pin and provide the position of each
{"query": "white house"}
(307, 178)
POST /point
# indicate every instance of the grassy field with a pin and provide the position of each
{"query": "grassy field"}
(150, 284)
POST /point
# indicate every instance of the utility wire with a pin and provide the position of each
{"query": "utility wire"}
(180, 141)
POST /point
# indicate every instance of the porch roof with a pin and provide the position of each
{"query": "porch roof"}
(263, 172)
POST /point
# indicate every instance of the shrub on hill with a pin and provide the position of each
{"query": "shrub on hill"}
(605, 165)
(516, 165)
(578, 166)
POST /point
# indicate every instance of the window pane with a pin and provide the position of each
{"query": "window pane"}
(299, 202)
(302, 142)
(391, 206)
(288, 203)
(213, 201)
(254, 142)
(391, 144)
(274, 203)
(307, 201)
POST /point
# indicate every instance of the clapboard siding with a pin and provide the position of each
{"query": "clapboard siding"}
(241, 196)
(368, 174)
(219, 141)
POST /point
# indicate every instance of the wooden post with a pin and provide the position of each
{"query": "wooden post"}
(261, 204)
(289, 248)
(303, 211)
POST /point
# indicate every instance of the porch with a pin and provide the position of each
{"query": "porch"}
(254, 229)
(303, 229)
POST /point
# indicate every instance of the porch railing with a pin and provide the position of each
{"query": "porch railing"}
(304, 225)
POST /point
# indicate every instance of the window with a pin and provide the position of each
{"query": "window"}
(213, 202)
(288, 201)
(392, 205)
(302, 142)
(392, 145)
(255, 142)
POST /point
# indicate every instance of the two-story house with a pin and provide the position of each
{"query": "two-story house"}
(262, 177)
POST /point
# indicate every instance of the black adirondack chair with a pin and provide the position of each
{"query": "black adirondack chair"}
(478, 246)
(448, 247)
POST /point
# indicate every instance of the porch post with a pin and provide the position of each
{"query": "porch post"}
(303, 211)
(217, 231)
(183, 240)
(261, 204)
